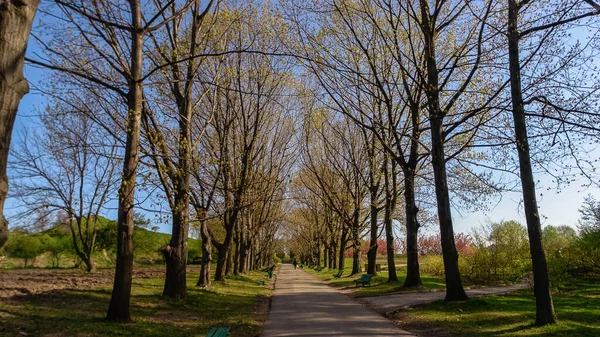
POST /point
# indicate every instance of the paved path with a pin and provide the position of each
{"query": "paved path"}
(389, 303)
(305, 306)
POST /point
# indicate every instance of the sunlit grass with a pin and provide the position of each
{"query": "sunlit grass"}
(231, 303)
(577, 308)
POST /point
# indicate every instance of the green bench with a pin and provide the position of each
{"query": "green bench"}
(218, 332)
(339, 274)
(364, 280)
(301, 266)
(319, 268)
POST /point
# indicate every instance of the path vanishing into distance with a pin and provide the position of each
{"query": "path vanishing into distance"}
(302, 305)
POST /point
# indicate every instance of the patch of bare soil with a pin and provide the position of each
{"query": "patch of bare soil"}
(19, 282)
(416, 326)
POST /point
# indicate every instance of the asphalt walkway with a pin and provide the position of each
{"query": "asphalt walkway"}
(387, 304)
(304, 306)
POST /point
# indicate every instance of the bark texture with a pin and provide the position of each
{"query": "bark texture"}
(16, 18)
(118, 309)
(454, 287)
(541, 283)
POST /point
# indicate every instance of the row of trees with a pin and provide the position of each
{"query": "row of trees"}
(425, 98)
(385, 104)
(162, 89)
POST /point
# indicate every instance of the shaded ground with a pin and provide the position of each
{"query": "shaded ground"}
(14, 282)
(56, 309)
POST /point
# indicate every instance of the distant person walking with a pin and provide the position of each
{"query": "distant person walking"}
(295, 263)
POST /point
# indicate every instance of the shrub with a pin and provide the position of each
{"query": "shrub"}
(432, 264)
(500, 254)
(23, 246)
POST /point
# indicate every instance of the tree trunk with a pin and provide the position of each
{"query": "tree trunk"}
(90, 264)
(342, 251)
(236, 257)
(413, 276)
(389, 237)
(543, 298)
(176, 252)
(356, 267)
(333, 254)
(118, 309)
(229, 265)
(318, 253)
(15, 24)
(243, 257)
(326, 260)
(454, 287)
(372, 253)
(204, 278)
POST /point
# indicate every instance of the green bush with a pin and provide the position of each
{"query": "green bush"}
(560, 252)
(500, 254)
(433, 265)
(586, 251)
(23, 246)
(57, 247)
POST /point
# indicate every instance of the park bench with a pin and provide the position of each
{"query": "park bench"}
(301, 265)
(218, 332)
(319, 268)
(339, 274)
(364, 280)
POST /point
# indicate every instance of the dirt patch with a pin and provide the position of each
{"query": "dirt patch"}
(416, 326)
(20, 282)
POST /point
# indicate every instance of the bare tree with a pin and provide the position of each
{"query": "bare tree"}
(67, 169)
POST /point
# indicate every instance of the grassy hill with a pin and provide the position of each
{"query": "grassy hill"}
(54, 247)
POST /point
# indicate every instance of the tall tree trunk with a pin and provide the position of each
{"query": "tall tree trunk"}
(332, 255)
(372, 253)
(222, 261)
(118, 309)
(413, 275)
(318, 253)
(356, 267)
(229, 265)
(389, 237)
(176, 252)
(326, 255)
(342, 251)
(204, 278)
(454, 287)
(243, 256)
(238, 242)
(16, 18)
(543, 298)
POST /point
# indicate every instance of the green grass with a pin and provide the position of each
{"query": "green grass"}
(577, 308)
(379, 284)
(231, 303)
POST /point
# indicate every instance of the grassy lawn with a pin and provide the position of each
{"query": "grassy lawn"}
(379, 284)
(232, 303)
(577, 307)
